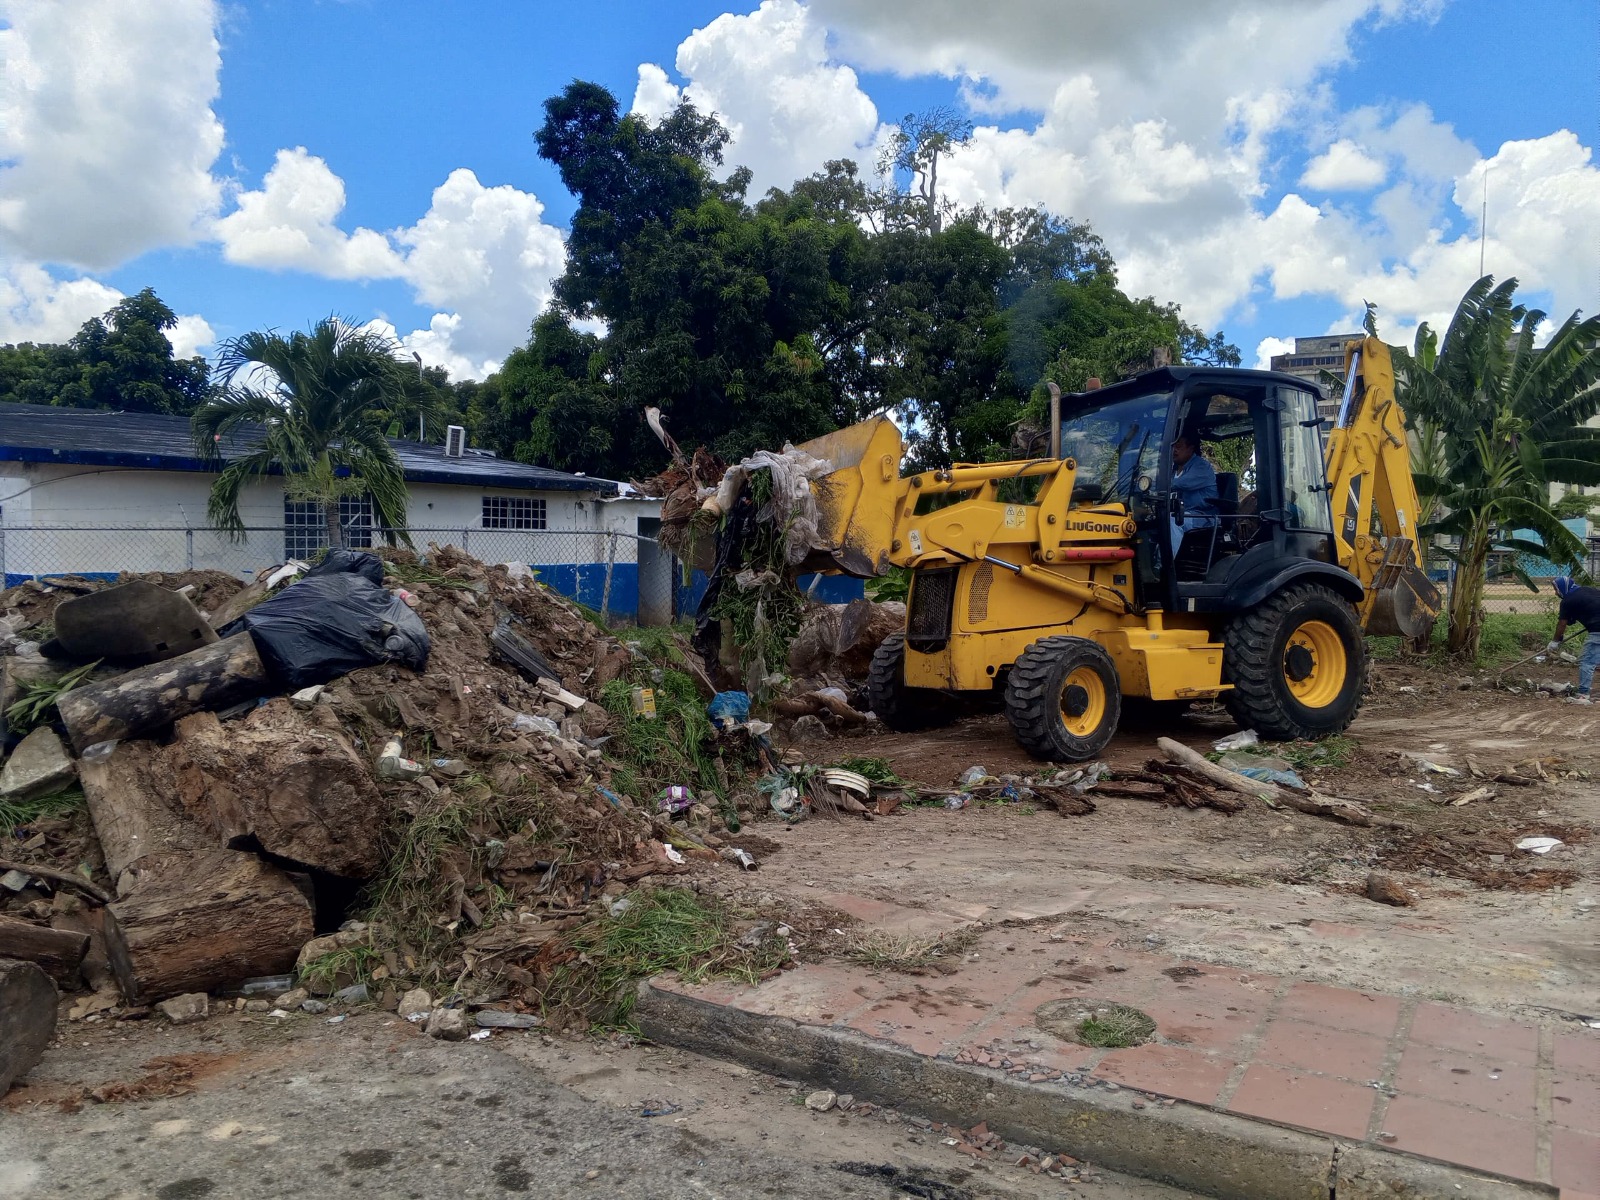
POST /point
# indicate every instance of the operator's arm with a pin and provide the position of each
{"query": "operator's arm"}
(1563, 615)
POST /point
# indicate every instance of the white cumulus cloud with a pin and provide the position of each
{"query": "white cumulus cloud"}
(1343, 167)
(291, 223)
(768, 75)
(107, 135)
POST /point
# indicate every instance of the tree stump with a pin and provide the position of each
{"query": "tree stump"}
(151, 698)
(134, 805)
(56, 951)
(27, 1018)
(289, 779)
(203, 921)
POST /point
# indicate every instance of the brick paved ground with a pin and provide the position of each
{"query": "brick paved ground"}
(1406, 1073)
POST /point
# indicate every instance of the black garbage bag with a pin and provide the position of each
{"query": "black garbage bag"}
(336, 618)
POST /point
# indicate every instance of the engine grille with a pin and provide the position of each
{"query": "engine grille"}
(928, 621)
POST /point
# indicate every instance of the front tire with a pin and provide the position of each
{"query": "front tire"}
(901, 708)
(1064, 699)
(1298, 665)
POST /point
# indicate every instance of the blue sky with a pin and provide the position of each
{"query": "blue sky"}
(1266, 165)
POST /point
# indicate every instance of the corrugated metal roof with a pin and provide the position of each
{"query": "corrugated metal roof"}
(41, 433)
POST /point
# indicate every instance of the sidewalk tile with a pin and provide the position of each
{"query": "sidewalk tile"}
(1574, 1161)
(816, 994)
(1578, 1052)
(1466, 1079)
(1341, 1008)
(1309, 1101)
(1168, 1071)
(1575, 1101)
(1461, 1135)
(1354, 1056)
(923, 1028)
(1192, 1021)
(1457, 1029)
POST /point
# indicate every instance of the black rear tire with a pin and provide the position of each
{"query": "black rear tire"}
(901, 708)
(1298, 664)
(1064, 699)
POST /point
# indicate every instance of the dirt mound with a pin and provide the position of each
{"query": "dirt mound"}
(33, 602)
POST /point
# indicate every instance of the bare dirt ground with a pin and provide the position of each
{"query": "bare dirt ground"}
(1273, 891)
(242, 1104)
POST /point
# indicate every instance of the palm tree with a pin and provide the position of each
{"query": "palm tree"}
(316, 407)
(1498, 421)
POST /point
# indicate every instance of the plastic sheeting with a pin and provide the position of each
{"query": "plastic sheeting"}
(335, 619)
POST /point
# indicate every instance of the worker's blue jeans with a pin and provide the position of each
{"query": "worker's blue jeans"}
(1588, 663)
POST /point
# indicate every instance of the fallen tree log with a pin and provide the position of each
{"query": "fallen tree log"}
(57, 951)
(203, 921)
(151, 698)
(1314, 803)
(27, 1018)
(134, 805)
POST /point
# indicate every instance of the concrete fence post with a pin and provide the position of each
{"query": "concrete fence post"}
(188, 554)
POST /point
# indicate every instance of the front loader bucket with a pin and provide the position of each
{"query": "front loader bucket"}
(1407, 606)
(856, 501)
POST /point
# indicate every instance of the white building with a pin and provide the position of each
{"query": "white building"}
(96, 493)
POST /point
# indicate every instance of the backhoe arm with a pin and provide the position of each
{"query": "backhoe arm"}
(1375, 498)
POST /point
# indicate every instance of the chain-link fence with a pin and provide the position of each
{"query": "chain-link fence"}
(625, 577)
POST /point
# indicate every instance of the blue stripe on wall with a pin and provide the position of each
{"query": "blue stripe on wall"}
(831, 589)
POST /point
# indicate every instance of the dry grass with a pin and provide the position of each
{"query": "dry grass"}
(912, 953)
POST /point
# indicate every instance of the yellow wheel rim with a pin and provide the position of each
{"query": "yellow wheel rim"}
(1315, 664)
(1083, 702)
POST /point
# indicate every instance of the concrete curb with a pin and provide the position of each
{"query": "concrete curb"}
(1187, 1146)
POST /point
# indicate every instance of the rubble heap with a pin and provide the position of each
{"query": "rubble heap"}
(466, 811)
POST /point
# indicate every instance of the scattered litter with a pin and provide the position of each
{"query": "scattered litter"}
(480, 1035)
(644, 702)
(674, 799)
(728, 709)
(973, 776)
(1237, 741)
(338, 1020)
(523, 723)
(393, 763)
(671, 854)
(1477, 793)
(658, 1109)
(1539, 845)
(743, 858)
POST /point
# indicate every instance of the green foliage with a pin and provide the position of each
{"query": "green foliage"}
(1115, 1026)
(122, 360)
(1503, 639)
(877, 770)
(750, 325)
(1499, 420)
(650, 753)
(36, 698)
(15, 814)
(668, 929)
(317, 406)
(896, 585)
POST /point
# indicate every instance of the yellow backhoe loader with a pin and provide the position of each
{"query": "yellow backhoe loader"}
(1075, 582)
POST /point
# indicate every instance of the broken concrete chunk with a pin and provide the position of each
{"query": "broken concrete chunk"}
(448, 1025)
(27, 1018)
(38, 766)
(185, 1009)
(134, 622)
(821, 1101)
(293, 998)
(415, 1003)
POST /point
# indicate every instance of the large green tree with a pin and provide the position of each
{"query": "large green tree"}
(752, 324)
(1502, 419)
(123, 360)
(315, 407)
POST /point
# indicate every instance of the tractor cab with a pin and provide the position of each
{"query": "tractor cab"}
(1223, 472)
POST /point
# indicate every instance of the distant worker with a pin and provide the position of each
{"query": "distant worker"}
(1194, 481)
(1580, 604)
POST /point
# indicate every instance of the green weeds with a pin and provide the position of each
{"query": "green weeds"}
(668, 929)
(36, 698)
(17, 813)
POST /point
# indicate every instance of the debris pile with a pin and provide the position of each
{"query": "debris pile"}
(418, 740)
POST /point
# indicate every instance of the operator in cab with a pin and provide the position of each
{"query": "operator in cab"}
(1194, 481)
(1580, 604)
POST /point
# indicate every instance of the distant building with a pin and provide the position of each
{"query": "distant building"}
(1312, 359)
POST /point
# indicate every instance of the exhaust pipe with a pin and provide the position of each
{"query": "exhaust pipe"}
(1055, 419)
